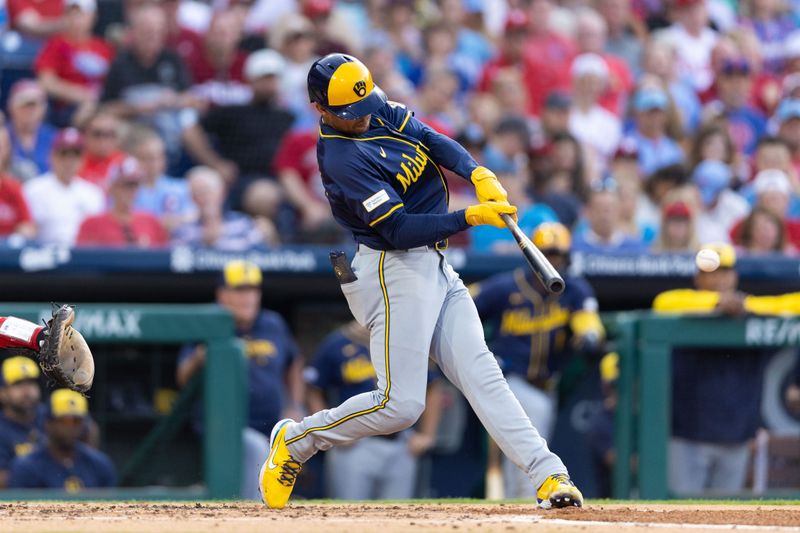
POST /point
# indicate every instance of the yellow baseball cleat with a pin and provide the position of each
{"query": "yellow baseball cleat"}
(558, 491)
(279, 471)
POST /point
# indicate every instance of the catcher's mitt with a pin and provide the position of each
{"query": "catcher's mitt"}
(64, 356)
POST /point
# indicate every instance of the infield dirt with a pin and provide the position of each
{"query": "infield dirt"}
(300, 517)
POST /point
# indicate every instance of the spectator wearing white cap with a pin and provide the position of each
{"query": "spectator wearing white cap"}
(240, 141)
(60, 200)
(296, 39)
(73, 64)
(773, 193)
(591, 34)
(589, 122)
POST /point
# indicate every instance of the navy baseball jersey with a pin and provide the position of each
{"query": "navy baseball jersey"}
(341, 367)
(391, 169)
(18, 440)
(270, 350)
(527, 330)
(39, 470)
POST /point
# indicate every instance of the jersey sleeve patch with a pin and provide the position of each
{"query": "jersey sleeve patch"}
(376, 200)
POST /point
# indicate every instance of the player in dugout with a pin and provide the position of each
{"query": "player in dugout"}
(533, 332)
(716, 392)
(63, 461)
(382, 467)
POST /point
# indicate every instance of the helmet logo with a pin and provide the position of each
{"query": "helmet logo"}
(360, 88)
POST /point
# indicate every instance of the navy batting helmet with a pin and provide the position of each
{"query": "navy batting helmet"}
(343, 85)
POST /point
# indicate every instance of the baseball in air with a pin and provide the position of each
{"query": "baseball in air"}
(707, 260)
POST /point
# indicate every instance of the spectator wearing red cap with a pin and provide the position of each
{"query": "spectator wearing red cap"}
(60, 200)
(217, 68)
(591, 35)
(549, 54)
(121, 225)
(320, 13)
(101, 132)
(16, 223)
(73, 64)
(693, 41)
(31, 138)
(511, 52)
(677, 233)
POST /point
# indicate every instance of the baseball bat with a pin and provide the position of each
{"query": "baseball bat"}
(547, 274)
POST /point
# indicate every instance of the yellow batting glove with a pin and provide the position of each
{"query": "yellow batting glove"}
(488, 214)
(487, 187)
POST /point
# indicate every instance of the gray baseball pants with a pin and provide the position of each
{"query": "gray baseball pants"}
(415, 305)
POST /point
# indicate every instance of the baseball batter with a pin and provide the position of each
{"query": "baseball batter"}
(380, 169)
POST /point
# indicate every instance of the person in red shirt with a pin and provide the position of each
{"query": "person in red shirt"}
(549, 55)
(36, 18)
(121, 226)
(297, 170)
(773, 192)
(15, 217)
(512, 50)
(184, 41)
(101, 152)
(217, 67)
(73, 64)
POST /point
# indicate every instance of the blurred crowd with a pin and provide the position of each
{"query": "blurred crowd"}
(639, 124)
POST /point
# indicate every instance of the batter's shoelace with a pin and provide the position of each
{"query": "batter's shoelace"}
(289, 471)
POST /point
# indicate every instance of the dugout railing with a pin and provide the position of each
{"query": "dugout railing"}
(223, 384)
(643, 417)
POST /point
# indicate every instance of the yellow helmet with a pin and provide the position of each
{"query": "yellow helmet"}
(552, 236)
(343, 85)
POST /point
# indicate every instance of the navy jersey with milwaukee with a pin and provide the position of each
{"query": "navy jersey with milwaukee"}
(377, 181)
(527, 330)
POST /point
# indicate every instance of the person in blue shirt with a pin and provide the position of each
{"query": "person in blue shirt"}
(31, 138)
(603, 231)
(655, 148)
(21, 420)
(533, 332)
(275, 369)
(382, 467)
(165, 197)
(63, 462)
(745, 123)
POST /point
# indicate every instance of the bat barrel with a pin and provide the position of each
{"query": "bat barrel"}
(547, 274)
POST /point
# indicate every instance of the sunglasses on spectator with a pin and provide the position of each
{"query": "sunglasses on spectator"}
(103, 134)
(70, 151)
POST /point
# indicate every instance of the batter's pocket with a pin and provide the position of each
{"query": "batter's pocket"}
(342, 269)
